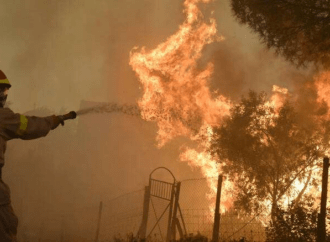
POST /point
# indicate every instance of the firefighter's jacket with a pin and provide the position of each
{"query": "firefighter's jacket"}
(17, 126)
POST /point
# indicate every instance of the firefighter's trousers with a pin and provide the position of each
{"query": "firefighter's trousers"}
(8, 219)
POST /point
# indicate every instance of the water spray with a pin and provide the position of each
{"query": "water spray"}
(132, 110)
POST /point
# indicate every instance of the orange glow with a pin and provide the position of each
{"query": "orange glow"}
(322, 84)
(210, 169)
(278, 97)
(176, 92)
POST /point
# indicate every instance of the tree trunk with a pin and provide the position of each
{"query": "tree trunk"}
(274, 208)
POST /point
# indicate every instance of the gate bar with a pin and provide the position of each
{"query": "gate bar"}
(174, 217)
(168, 236)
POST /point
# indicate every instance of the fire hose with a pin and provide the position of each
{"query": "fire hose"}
(70, 115)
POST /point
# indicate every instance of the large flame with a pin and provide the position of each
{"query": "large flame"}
(177, 96)
(176, 92)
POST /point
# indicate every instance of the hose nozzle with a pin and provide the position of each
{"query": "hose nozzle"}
(70, 115)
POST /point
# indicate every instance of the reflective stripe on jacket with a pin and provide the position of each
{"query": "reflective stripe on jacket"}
(17, 126)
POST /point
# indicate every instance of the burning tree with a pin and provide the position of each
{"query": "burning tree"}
(268, 151)
(296, 29)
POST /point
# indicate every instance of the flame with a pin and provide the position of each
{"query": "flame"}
(278, 97)
(271, 109)
(210, 168)
(322, 84)
(176, 92)
(177, 97)
(277, 100)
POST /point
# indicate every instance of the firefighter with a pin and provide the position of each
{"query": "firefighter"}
(16, 126)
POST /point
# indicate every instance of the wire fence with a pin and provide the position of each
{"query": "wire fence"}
(195, 206)
(199, 217)
(122, 217)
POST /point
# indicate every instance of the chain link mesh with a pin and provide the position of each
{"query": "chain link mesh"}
(121, 217)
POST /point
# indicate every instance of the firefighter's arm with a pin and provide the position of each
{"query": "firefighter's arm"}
(32, 127)
(28, 127)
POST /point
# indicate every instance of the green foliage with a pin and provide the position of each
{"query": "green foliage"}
(297, 29)
(265, 151)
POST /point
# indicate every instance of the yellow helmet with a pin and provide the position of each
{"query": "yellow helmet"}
(3, 80)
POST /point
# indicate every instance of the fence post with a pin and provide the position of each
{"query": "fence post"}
(216, 225)
(143, 227)
(321, 230)
(174, 217)
(98, 223)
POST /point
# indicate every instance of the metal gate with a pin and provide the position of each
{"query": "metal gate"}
(168, 221)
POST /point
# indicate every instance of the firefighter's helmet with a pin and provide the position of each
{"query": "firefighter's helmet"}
(4, 80)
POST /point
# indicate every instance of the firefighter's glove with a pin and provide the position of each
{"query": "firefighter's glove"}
(57, 120)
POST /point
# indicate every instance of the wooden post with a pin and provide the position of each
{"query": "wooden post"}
(143, 227)
(98, 223)
(321, 228)
(216, 225)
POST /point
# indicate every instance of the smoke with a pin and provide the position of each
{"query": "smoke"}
(56, 55)
(242, 62)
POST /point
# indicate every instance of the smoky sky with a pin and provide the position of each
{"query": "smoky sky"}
(58, 53)
(62, 55)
